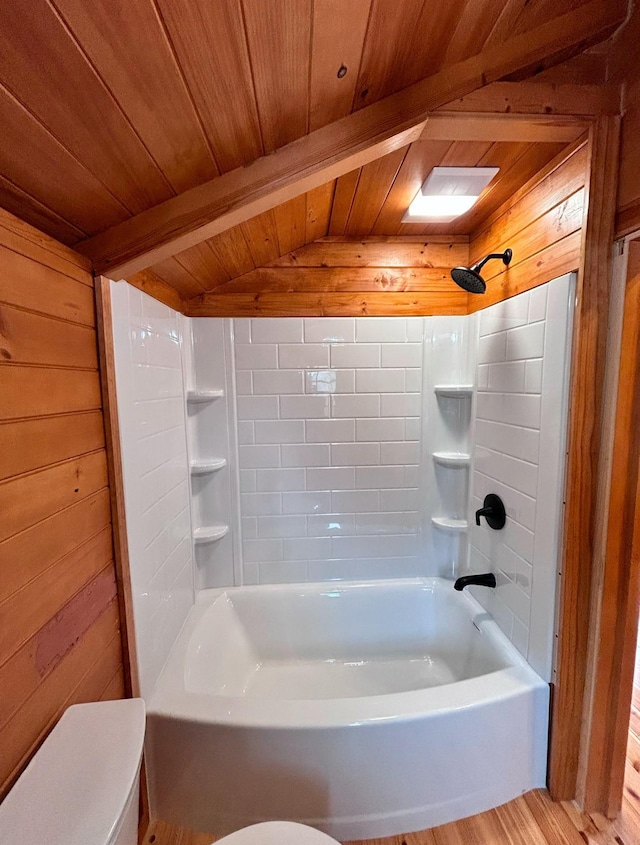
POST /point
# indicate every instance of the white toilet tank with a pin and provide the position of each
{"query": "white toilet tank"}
(82, 786)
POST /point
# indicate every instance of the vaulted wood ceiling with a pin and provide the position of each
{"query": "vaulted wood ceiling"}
(110, 107)
(149, 133)
(367, 201)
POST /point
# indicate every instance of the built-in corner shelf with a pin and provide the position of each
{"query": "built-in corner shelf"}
(203, 467)
(454, 391)
(201, 396)
(452, 460)
(209, 534)
(446, 523)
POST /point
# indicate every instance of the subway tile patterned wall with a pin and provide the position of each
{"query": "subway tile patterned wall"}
(519, 437)
(152, 429)
(329, 433)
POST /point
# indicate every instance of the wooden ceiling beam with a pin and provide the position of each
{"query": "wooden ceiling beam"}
(325, 154)
(531, 128)
(532, 97)
(526, 111)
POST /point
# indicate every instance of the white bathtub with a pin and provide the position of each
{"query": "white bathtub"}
(365, 709)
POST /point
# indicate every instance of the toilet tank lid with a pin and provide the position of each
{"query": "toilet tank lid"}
(76, 787)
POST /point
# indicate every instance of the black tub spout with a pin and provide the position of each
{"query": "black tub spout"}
(487, 579)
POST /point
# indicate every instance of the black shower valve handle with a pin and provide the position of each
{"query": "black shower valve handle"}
(493, 511)
(483, 512)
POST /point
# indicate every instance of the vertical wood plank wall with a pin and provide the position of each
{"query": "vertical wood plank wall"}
(628, 205)
(614, 631)
(59, 623)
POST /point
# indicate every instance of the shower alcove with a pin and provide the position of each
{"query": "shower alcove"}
(330, 469)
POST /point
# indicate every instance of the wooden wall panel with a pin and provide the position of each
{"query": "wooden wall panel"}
(27, 338)
(582, 516)
(59, 621)
(44, 290)
(374, 304)
(28, 444)
(434, 251)
(541, 223)
(40, 391)
(335, 276)
(628, 203)
(339, 280)
(614, 613)
(20, 237)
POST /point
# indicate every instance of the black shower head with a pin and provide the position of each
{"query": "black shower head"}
(469, 278)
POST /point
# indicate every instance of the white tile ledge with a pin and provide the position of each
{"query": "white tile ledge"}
(201, 396)
(453, 460)
(209, 534)
(446, 523)
(204, 466)
(454, 391)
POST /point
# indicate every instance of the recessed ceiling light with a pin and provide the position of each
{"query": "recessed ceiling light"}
(447, 193)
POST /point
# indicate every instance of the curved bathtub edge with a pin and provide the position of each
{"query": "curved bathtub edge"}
(356, 768)
(422, 818)
(258, 774)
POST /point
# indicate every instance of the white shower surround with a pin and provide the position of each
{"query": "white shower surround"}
(436, 745)
(148, 360)
(343, 411)
(519, 453)
(329, 430)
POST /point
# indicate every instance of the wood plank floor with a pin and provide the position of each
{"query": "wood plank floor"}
(533, 819)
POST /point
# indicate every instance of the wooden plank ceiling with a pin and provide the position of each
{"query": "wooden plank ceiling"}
(144, 99)
(370, 201)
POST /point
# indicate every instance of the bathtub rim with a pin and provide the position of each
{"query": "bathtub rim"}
(171, 699)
